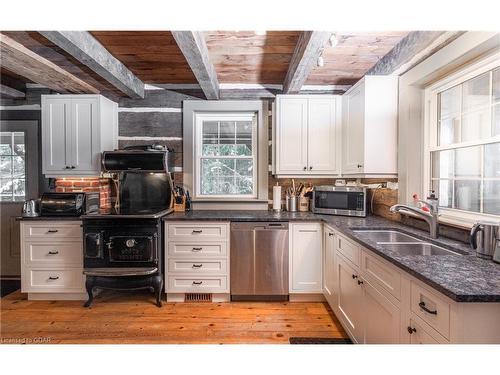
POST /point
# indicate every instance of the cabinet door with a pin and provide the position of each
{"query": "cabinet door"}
(382, 318)
(56, 127)
(328, 264)
(292, 136)
(353, 131)
(349, 298)
(321, 136)
(85, 130)
(306, 258)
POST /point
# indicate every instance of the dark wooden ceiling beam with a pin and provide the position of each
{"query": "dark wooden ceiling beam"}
(90, 52)
(24, 62)
(194, 48)
(412, 49)
(305, 56)
(11, 92)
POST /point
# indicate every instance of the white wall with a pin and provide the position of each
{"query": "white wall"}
(463, 50)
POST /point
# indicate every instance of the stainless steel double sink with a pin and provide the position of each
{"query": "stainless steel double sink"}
(402, 243)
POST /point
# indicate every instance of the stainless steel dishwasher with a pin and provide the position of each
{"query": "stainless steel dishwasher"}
(259, 261)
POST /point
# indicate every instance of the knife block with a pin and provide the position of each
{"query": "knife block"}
(180, 207)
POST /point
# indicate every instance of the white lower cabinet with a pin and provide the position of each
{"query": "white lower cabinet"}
(329, 264)
(52, 260)
(306, 258)
(197, 260)
(349, 307)
(382, 322)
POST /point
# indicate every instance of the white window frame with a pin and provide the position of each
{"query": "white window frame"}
(225, 116)
(453, 216)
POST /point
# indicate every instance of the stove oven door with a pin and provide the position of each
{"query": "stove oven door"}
(141, 248)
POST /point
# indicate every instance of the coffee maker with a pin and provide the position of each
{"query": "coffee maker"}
(485, 239)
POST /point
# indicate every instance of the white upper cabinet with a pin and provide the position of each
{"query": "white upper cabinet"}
(307, 135)
(75, 130)
(369, 127)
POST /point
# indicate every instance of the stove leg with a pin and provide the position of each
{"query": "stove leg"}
(158, 286)
(89, 285)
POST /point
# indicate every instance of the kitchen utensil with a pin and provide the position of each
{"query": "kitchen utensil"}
(485, 239)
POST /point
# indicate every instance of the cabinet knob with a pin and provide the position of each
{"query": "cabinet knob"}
(411, 330)
(354, 276)
(330, 234)
(310, 168)
(305, 168)
(360, 165)
(73, 167)
(360, 282)
(67, 167)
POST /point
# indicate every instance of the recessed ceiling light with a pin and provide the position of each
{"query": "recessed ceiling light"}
(334, 40)
(321, 62)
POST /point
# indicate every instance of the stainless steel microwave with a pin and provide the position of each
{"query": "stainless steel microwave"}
(340, 200)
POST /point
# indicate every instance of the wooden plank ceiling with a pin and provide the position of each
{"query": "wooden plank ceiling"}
(239, 57)
(153, 56)
(251, 57)
(355, 53)
(43, 47)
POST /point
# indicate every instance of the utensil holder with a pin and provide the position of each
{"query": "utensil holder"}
(292, 204)
(303, 204)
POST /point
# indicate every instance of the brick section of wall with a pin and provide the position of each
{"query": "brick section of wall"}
(87, 185)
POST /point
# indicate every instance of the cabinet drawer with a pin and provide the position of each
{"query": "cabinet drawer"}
(206, 284)
(197, 232)
(431, 309)
(348, 249)
(378, 272)
(200, 250)
(52, 230)
(422, 334)
(197, 266)
(54, 254)
(50, 280)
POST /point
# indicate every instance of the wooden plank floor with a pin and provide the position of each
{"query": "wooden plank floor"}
(118, 318)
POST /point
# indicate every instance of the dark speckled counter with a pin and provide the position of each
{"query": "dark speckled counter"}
(463, 278)
(50, 218)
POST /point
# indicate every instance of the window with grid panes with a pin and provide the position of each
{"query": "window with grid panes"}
(226, 155)
(465, 159)
(12, 167)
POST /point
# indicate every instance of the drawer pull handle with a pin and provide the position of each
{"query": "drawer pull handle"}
(52, 231)
(53, 252)
(411, 330)
(197, 248)
(354, 276)
(197, 231)
(53, 278)
(197, 282)
(197, 265)
(422, 306)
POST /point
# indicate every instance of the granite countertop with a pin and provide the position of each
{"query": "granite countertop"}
(52, 218)
(464, 278)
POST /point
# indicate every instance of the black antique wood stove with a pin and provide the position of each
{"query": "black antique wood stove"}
(123, 246)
